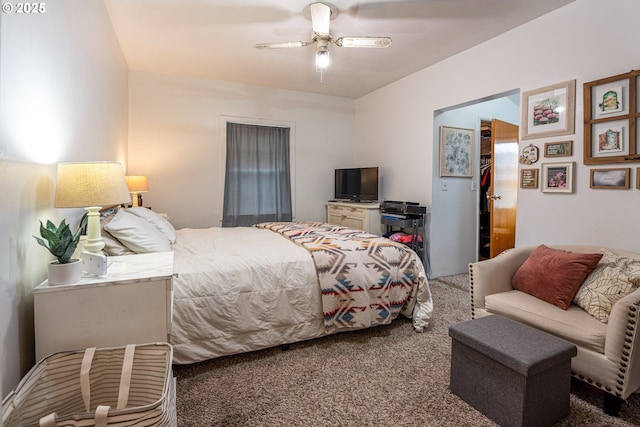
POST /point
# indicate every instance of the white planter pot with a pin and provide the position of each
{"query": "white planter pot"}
(64, 274)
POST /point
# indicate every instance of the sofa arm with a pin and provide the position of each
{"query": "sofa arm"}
(622, 345)
(494, 275)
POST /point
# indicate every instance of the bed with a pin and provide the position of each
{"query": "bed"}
(248, 288)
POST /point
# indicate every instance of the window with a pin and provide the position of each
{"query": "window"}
(257, 185)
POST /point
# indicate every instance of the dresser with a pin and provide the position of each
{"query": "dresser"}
(131, 304)
(363, 216)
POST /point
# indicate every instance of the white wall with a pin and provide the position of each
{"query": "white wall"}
(63, 82)
(576, 48)
(175, 139)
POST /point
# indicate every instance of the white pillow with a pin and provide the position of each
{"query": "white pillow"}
(156, 220)
(137, 234)
(112, 246)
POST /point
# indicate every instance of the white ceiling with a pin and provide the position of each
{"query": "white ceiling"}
(213, 39)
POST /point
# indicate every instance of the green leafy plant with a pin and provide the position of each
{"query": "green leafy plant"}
(60, 241)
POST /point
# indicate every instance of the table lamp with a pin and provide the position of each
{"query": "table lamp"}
(137, 184)
(91, 185)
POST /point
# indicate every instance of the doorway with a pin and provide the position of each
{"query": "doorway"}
(453, 226)
(498, 187)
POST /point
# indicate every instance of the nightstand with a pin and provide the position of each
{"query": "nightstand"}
(131, 304)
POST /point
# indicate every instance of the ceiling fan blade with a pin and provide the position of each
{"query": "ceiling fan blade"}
(320, 17)
(282, 45)
(371, 42)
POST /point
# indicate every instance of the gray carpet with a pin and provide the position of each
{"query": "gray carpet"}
(384, 376)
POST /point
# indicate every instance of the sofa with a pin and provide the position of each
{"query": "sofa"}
(600, 316)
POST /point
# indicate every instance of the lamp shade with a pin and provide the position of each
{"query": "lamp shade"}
(80, 185)
(137, 183)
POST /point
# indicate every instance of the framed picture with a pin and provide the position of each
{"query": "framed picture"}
(529, 155)
(611, 112)
(638, 178)
(557, 177)
(610, 139)
(610, 179)
(528, 178)
(558, 149)
(610, 99)
(549, 111)
(456, 151)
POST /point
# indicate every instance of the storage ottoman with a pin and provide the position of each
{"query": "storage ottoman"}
(514, 374)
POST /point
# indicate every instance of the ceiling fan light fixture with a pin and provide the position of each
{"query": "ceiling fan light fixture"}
(322, 58)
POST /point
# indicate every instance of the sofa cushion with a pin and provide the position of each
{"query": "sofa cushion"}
(554, 275)
(614, 277)
(574, 324)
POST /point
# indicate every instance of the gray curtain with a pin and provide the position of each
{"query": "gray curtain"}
(257, 185)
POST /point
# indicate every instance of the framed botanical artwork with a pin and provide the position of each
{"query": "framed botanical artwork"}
(456, 151)
(610, 179)
(528, 178)
(558, 149)
(557, 177)
(549, 111)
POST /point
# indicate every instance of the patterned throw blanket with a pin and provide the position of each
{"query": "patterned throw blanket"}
(366, 280)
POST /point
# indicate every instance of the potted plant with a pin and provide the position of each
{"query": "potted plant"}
(62, 243)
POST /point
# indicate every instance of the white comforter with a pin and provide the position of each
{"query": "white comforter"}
(244, 289)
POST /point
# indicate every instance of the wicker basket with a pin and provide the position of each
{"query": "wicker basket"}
(120, 386)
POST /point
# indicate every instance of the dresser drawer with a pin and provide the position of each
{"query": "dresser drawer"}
(365, 216)
(348, 211)
(347, 220)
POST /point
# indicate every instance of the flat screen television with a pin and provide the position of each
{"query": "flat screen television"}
(357, 184)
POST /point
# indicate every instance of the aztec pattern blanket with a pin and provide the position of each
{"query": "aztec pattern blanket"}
(365, 279)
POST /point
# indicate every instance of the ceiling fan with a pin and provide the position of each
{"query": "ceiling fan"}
(321, 14)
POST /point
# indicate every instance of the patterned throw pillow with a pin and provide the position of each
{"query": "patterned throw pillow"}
(613, 278)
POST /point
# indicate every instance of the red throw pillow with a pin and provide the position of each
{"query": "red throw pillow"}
(554, 275)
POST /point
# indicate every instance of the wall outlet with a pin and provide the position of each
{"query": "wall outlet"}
(474, 185)
(93, 263)
(444, 185)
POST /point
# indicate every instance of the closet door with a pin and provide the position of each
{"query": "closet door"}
(503, 192)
